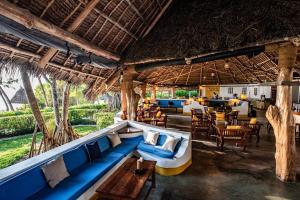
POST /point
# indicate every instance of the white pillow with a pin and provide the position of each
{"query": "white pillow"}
(170, 143)
(114, 139)
(152, 137)
(55, 171)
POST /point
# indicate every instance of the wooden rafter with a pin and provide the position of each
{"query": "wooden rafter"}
(158, 3)
(116, 23)
(52, 51)
(136, 11)
(246, 69)
(188, 77)
(30, 21)
(70, 15)
(157, 18)
(36, 56)
(217, 72)
(47, 7)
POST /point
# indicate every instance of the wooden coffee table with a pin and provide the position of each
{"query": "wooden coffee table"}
(124, 184)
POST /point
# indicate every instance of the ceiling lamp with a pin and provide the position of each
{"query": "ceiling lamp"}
(188, 61)
(226, 65)
(212, 74)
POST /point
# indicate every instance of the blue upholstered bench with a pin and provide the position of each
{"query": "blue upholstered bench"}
(83, 174)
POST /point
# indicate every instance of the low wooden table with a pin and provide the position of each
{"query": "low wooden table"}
(124, 184)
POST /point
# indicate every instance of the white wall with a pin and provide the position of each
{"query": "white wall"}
(237, 89)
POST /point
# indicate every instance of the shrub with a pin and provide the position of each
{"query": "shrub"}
(104, 119)
(77, 114)
(89, 106)
(18, 125)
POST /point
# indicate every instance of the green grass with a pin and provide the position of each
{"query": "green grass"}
(84, 130)
(15, 149)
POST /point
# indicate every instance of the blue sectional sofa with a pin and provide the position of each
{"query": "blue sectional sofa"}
(83, 174)
(26, 180)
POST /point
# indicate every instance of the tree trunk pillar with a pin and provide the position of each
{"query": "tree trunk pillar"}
(132, 98)
(281, 118)
(123, 97)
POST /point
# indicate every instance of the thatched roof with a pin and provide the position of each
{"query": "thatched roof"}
(107, 26)
(19, 97)
(194, 27)
(88, 41)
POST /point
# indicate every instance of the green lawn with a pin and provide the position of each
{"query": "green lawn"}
(15, 149)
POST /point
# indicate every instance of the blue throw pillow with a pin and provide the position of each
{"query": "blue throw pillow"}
(93, 151)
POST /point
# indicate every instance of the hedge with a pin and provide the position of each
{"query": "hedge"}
(24, 124)
(104, 119)
(19, 125)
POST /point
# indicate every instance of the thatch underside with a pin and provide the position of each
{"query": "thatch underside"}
(241, 70)
(186, 29)
(193, 27)
(111, 25)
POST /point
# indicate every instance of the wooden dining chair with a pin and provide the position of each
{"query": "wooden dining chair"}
(255, 130)
(231, 135)
(201, 126)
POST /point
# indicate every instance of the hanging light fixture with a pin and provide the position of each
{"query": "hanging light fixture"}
(226, 65)
(212, 74)
(188, 61)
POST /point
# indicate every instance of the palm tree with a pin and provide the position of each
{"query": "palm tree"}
(43, 92)
(54, 99)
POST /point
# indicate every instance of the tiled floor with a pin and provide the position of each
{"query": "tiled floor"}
(230, 175)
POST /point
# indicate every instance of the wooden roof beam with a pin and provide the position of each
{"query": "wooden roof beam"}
(34, 55)
(30, 21)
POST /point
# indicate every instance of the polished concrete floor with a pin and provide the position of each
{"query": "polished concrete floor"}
(231, 174)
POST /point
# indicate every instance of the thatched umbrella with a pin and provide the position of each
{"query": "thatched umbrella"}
(19, 97)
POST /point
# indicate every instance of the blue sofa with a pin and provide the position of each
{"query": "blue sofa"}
(164, 103)
(83, 174)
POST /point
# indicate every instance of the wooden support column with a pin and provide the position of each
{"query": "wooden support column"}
(143, 91)
(173, 92)
(132, 98)
(123, 97)
(153, 94)
(281, 118)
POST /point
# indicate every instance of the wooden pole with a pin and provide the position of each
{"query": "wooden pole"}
(31, 21)
(143, 91)
(173, 92)
(123, 97)
(153, 95)
(281, 118)
(132, 98)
